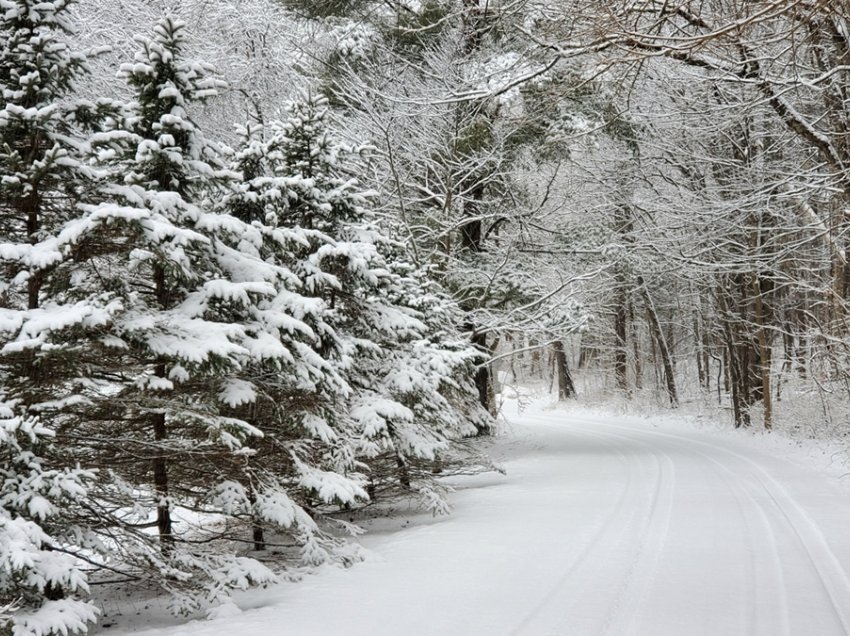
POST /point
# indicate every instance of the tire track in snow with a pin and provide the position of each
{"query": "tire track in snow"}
(632, 524)
(826, 566)
(619, 516)
(763, 618)
(830, 572)
(641, 574)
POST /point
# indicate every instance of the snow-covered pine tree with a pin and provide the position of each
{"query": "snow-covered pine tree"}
(39, 575)
(208, 347)
(288, 475)
(191, 312)
(388, 331)
(42, 133)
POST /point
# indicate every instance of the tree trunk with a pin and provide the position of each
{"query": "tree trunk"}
(623, 226)
(706, 361)
(736, 365)
(621, 360)
(739, 409)
(702, 371)
(160, 434)
(535, 367)
(258, 537)
(31, 207)
(636, 352)
(257, 532)
(403, 472)
(764, 356)
(160, 482)
(661, 340)
(471, 231)
(566, 388)
(483, 378)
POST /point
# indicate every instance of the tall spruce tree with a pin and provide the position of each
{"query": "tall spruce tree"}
(205, 307)
(387, 330)
(42, 176)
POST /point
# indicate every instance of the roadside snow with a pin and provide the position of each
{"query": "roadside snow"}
(602, 525)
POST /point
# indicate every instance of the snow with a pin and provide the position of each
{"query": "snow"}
(329, 486)
(64, 617)
(372, 413)
(602, 525)
(235, 392)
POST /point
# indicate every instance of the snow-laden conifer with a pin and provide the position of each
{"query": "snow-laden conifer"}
(39, 575)
(161, 312)
(43, 134)
(207, 347)
(387, 331)
(209, 354)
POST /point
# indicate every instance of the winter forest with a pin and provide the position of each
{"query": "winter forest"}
(271, 267)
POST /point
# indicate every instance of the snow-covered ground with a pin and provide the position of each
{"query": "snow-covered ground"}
(602, 525)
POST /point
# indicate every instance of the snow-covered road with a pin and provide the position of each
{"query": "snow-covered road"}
(601, 526)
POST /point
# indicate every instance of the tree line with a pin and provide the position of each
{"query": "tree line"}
(205, 350)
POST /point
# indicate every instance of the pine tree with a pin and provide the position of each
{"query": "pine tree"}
(306, 454)
(388, 331)
(221, 350)
(207, 355)
(37, 566)
(192, 313)
(42, 136)
(143, 323)
(40, 139)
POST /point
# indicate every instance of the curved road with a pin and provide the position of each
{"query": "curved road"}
(703, 536)
(601, 526)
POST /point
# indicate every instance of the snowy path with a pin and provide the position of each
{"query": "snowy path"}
(602, 526)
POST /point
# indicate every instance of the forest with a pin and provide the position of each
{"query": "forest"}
(268, 263)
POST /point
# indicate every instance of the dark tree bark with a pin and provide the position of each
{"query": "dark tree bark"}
(258, 535)
(735, 364)
(160, 482)
(566, 388)
(472, 228)
(702, 359)
(623, 226)
(661, 341)
(403, 472)
(483, 377)
(764, 354)
(30, 206)
(636, 352)
(160, 434)
(621, 359)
